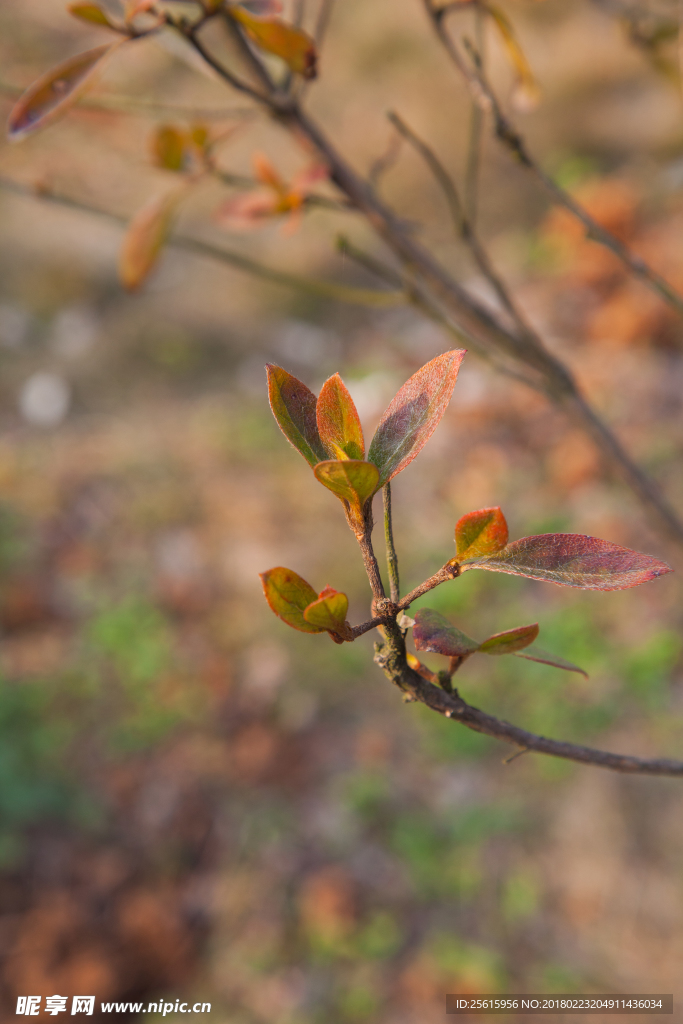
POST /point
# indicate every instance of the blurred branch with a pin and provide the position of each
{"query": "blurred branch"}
(321, 289)
(390, 655)
(474, 142)
(507, 134)
(385, 161)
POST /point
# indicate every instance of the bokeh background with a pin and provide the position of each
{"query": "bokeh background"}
(195, 800)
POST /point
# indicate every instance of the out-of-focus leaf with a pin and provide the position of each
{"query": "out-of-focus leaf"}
(90, 12)
(527, 93)
(573, 560)
(338, 422)
(293, 406)
(536, 654)
(413, 415)
(289, 596)
(56, 91)
(481, 533)
(329, 611)
(350, 479)
(510, 641)
(168, 147)
(432, 632)
(145, 237)
(294, 46)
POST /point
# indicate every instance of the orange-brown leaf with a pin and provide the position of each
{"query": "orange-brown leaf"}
(338, 421)
(294, 46)
(145, 237)
(329, 611)
(350, 479)
(481, 533)
(288, 594)
(92, 13)
(293, 406)
(168, 147)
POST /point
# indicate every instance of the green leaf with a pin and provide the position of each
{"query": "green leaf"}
(432, 632)
(292, 45)
(56, 91)
(536, 654)
(293, 406)
(338, 422)
(91, 13)
(573, 560)
(480, 533)
(289, 596)
(413, 415)
(329, 611)
(168, 147)
(350, 479)
(510, 641)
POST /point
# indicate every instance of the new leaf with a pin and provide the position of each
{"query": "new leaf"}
(338, 422)
(573, 560)
(146, 236)
(350, 479)
(289, 596)
(511, 641)
(414, 414)
(293, 406)
(536, 654)
(480, 533)
(292, 45)
(329, 611)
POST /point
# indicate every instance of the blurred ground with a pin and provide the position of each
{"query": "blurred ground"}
(196, 801)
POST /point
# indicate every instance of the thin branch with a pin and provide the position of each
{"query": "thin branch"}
(236, 83)
(390, 655)
(322, 22)
(321, 289)
(474, 142)
(392, 558)
(364, 538)
(385, 161)
(483, 94)
(449, 571)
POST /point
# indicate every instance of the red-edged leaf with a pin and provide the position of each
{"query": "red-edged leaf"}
(510, 641)
(481, 533)
(350, 479)
(56, 91)
(432, 632)
(573, 560)
(168, 147)
(293, 406)
(413, 415)
(536, 654)
(338, 423)
(92, 13)
(145, 237)
(289, 596)
(291, 44)
(329, 611)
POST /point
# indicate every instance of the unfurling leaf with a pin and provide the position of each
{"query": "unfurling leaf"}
(168, 147)
(573, 560)
(289, 596)
(329, 611)
(145, 237)
(480, 533)
(56, 91)
(413, 415)
(511, 641)
(536, 654)
(350, 479)
(90, 12)
(432, 632)
(338, 422)
(291, 44)
(527, 92)
(293, 406)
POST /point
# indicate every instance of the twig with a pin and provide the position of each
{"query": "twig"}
(364, 538)
(390, 655)
(385, 161)
(392, 558)
(474, 141)
(449, 571)
(483, 94)
(322, 289)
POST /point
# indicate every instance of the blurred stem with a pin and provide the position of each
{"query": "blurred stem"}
(476, 124)
(392, 558)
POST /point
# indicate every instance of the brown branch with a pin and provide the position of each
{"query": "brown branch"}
(449, 571)
(390, 655)
(484, 95)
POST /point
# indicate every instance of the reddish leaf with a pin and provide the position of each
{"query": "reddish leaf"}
(481, 533)
(510, 641)
(329, 611)
(432, 632)
(536, 654)
(145, 237)
(293, 407)
(350, 479)
(291, 44)
(168, 147)
(289, 596)
(573, 560)
(56, 91)
(338, 423)
(92, 13)
(413, 415)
